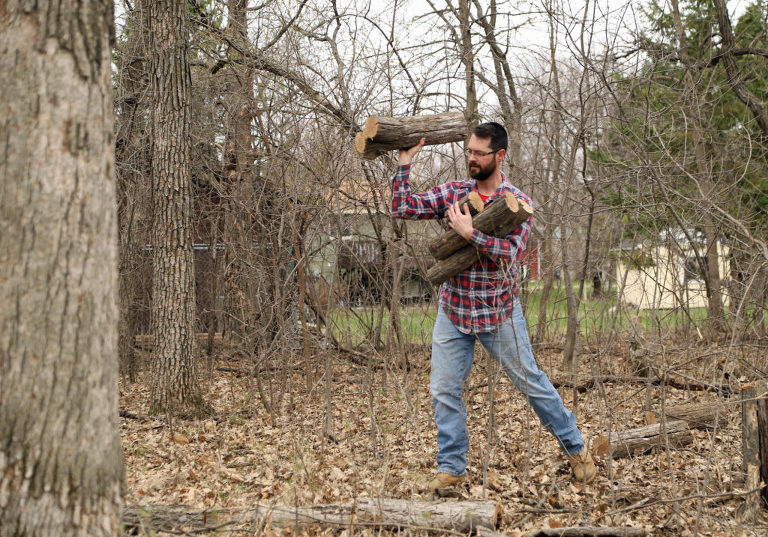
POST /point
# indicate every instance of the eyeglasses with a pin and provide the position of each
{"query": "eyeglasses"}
(478, 154)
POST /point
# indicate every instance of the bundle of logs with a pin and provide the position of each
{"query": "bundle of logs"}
(454, 254)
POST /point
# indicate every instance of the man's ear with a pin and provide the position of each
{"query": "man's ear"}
(500, 154)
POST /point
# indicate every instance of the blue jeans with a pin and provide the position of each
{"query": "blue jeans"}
(452, 356)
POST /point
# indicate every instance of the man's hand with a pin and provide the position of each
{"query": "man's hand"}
(406, 155)
(460, 220)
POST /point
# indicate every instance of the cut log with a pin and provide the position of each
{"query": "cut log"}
(474, 202)
(463, 516)
(503, 211)
(507, 213)
(588, 531)
(634, 442)
(698, 415)
(382, 134)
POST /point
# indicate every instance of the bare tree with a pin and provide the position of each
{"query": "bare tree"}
(60, 456)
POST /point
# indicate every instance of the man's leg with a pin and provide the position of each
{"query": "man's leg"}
(511, 346)
(452, 356)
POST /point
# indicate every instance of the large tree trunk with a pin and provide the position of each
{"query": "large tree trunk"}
(174, 378)
(132, 166)
(60, 457)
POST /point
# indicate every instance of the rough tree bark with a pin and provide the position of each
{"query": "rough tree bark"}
(60, 456)
(381, 134)
(174, 378)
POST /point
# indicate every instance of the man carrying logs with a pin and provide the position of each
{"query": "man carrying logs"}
(481, 303)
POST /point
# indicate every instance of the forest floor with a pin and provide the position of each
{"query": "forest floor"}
(267, 442)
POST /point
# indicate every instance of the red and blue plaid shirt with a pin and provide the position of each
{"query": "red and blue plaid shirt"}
(482, 296)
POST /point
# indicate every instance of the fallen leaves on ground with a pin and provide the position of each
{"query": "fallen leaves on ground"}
(272, 441)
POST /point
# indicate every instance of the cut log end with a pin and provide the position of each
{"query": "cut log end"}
(474, 201)
(371, 128)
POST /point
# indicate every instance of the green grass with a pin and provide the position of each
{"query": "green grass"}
(353, 326)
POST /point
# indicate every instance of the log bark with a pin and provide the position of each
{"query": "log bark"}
(464, 516)
(382, 134)
(500, 212)
(698, 415)
(588, 531)
(504, 220)
(633, 442)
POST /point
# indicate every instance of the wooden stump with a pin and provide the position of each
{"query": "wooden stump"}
(381, 134)
(500, 218)
(754, 435)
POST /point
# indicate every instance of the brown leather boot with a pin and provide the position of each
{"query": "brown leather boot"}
(583, 466)
(443, 480)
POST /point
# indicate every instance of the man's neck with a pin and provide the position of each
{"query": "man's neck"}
(489, 186)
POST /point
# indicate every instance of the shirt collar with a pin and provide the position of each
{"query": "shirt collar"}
(504, 186)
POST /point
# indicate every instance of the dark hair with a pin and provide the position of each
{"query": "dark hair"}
(495, 132)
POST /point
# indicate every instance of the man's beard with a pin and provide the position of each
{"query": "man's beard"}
(481, 173)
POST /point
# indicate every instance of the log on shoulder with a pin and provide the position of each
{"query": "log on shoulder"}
(381, 134)
(504, 223)
(506, 209)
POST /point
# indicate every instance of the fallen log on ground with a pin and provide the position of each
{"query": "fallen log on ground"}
(634, 442)
(497, 215)
(687, 384)
(588, 531)
(506, 215)
(463, 516)
(698, 415)
(381, 134)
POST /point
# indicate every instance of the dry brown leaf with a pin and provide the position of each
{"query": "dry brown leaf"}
(180, 439)
(554, 523)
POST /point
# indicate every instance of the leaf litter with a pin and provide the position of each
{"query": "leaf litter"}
(382, 443)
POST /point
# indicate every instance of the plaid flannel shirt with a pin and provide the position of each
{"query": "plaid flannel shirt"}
(482, 296)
